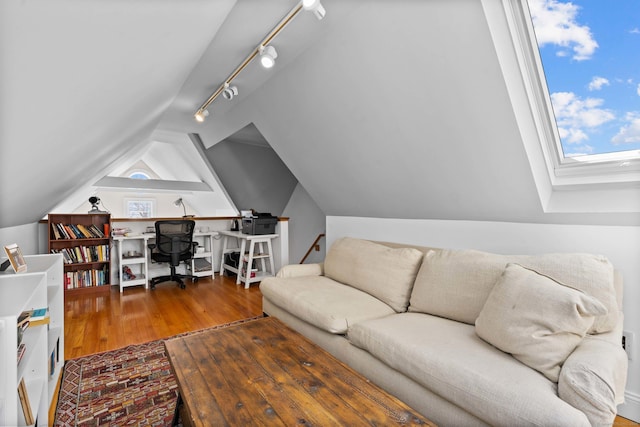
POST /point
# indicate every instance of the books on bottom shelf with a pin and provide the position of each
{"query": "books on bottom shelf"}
(24, 402)
(85, 278)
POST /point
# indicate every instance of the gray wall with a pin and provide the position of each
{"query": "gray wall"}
(254, 176)
(306, 221)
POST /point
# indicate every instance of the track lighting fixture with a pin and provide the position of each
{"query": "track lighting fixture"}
(314, 6)
(201, 115)
(229, 91)
(264, 51)
(268, 56)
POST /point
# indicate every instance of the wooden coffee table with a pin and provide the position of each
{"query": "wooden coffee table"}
(263, 373)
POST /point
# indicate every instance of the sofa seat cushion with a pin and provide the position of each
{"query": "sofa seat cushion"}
(323, 302)
(386, 273)
(448, 358)
(456, 283)
(536, 319)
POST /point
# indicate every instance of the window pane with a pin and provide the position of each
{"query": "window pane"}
(139, 208)
(589, 51)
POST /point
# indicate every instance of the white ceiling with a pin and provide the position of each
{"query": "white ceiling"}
(386, 108)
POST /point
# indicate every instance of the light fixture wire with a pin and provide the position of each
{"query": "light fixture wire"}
(276, 30)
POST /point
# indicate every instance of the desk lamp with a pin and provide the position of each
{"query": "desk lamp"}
(180, 202)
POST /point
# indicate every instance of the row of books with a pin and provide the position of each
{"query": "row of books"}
(79, 254)
(76, 231)
(26, 319)
(85, 278)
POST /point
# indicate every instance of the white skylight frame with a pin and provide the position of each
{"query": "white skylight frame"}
(596, 183)
(623, 166)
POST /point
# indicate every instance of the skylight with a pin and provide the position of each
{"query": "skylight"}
(589, 52)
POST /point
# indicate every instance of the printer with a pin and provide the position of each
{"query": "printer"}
(258, 223)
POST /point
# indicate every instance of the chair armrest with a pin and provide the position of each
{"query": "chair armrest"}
(151, 245)
(594, 376)
(297, 270)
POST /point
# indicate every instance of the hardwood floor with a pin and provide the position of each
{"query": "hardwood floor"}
(100, 323)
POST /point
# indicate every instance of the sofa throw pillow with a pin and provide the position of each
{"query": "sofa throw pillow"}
(385, 273)
(455, 283)
(536, 319)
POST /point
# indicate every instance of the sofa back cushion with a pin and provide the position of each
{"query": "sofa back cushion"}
(383, 272)
(456, 283)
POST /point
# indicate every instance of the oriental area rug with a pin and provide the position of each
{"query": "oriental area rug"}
(131, 386)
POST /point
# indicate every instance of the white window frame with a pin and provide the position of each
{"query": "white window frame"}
(129, 200)
(595, 183)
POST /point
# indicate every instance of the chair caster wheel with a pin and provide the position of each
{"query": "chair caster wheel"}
(194, 280)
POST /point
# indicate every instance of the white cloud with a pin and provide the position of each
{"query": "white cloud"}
(638, 89)
(629, 133)
(555, 23)
(582, 150)
(597, 82)
(576, 116)
(635, 31)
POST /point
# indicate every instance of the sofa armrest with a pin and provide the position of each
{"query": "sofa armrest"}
(298, 270)
(594, 376)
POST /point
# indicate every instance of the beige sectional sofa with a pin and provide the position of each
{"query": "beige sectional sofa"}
(466, 337)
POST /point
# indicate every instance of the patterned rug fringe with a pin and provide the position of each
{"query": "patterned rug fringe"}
(131, 386)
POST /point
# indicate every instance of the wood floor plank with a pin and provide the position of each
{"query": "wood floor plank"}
(95, 323)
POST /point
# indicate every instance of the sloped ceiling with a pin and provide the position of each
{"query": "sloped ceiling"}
(386, 108)
(82, 83)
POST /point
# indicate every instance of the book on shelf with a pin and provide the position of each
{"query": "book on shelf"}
(21, 328)
(24, 318)
(21, 350)
(36, 317)
(76, 231)
(24, 402)
(83, 254)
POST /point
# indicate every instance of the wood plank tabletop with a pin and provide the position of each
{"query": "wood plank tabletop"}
(263, 373)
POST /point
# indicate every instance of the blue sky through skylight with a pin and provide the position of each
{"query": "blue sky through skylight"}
(590, 52)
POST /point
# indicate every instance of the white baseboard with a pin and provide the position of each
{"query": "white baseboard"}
(630, 409)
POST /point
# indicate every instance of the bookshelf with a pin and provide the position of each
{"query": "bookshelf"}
(83, 240)
(18, 293)
(52, 266)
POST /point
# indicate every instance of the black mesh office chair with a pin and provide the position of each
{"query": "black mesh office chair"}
(174, 243)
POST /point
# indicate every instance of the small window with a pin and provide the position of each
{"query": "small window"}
(139, 208)
(139, 175)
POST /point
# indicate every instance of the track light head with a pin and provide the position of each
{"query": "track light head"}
(314, 6)
(201, 115)
(268, 56)
(229, 92)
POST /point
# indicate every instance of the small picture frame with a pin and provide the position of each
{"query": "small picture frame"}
(16, 258)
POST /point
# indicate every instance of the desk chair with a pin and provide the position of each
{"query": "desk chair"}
(174, 243)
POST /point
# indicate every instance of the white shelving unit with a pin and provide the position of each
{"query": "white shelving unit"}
(206, 238)
(41, 286)
(133, 252)
(53, 266)
(252, 247)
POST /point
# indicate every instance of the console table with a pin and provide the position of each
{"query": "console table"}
(261, 242)
(262, 372)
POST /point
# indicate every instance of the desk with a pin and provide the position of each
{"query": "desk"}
(247, 274)
(138, 261)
